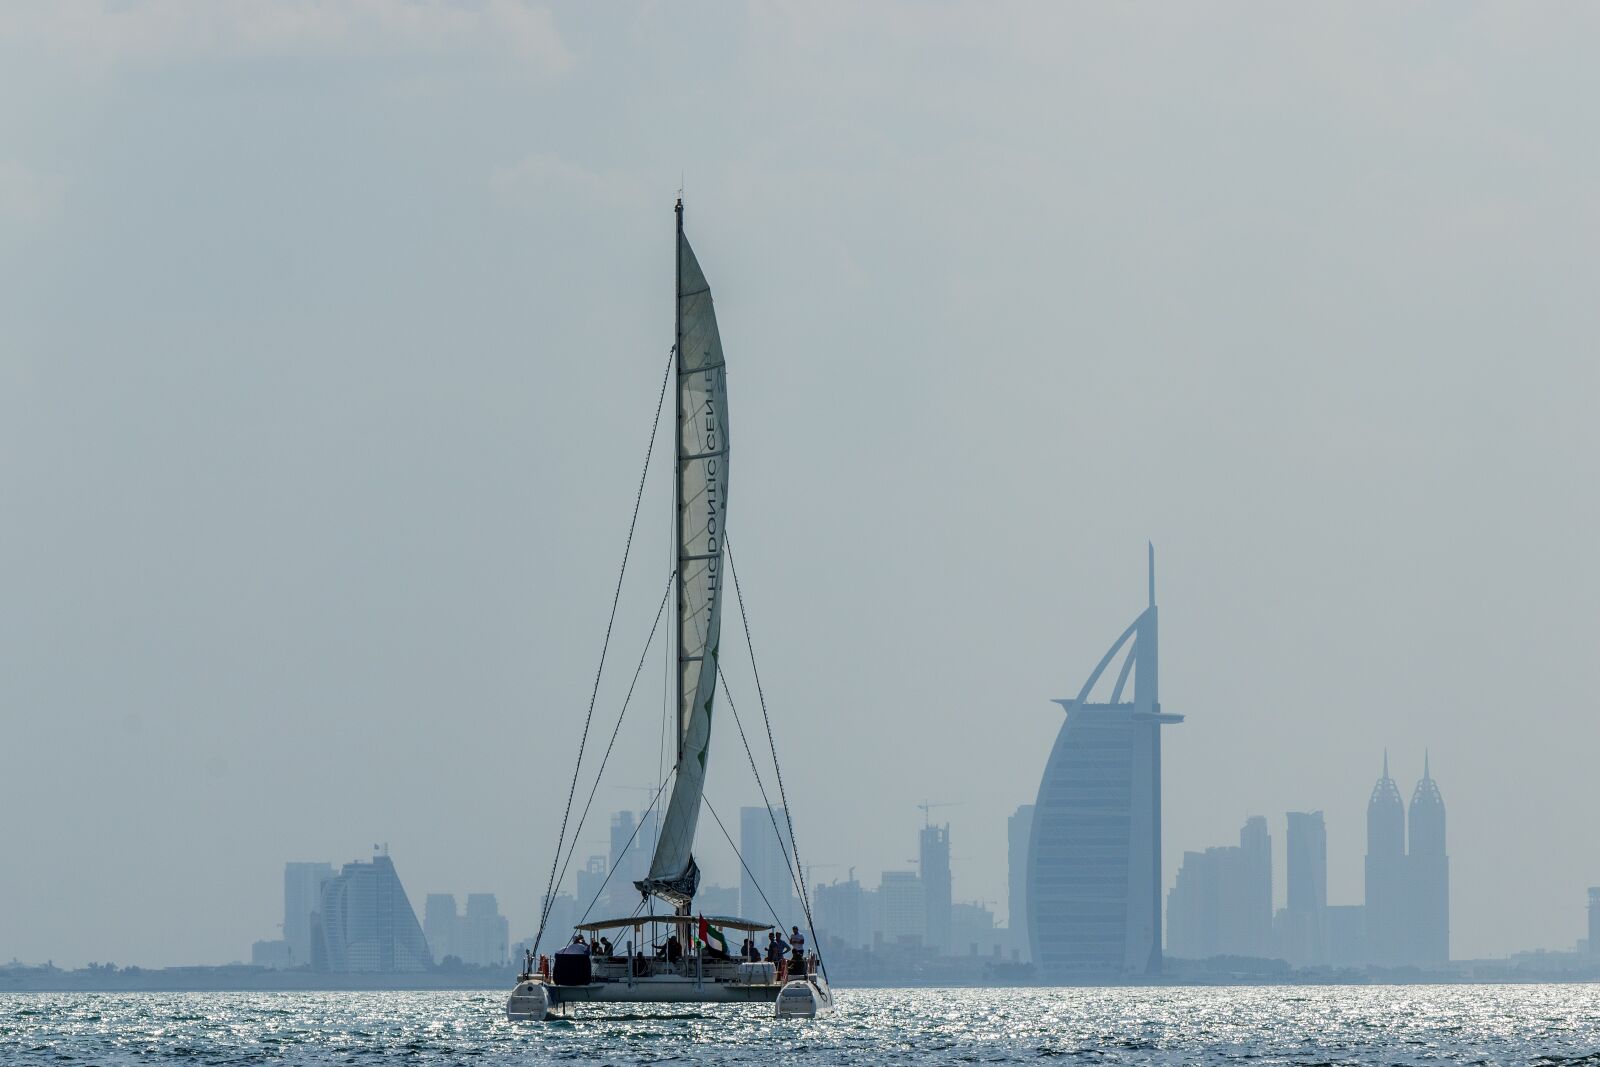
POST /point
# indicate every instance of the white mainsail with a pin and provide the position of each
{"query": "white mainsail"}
(702, 502)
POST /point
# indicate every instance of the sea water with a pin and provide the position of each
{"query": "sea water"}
(1541, 1025)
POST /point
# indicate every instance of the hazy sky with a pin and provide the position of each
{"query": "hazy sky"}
(330, 335)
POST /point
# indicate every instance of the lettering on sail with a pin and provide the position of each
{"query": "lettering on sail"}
(711, 435)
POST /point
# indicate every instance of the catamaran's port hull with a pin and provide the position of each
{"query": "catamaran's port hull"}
(536, 1000)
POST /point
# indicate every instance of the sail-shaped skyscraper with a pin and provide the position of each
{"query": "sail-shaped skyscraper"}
(1094, 855)
(1386, 896)
(1428, 874)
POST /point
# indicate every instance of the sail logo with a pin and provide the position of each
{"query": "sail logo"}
(711, 436)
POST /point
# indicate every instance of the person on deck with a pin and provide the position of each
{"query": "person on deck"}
(674, 949)
(605, 948)
(797, 947)
(749, 950)
(772, 947)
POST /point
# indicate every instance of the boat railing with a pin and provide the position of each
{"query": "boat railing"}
(701, 968)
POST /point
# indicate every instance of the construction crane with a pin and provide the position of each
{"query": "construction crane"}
(926, 808)
(818, 867)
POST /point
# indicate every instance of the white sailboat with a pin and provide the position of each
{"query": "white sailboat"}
(675, 957)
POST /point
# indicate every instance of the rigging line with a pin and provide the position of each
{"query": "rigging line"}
(666, 663)
(643, 656)
(765, 799)
(744, 617)
(753, 881)
(668, 648)
(544, 910)
(606, 881)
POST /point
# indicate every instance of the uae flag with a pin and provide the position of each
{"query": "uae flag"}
(709, 936)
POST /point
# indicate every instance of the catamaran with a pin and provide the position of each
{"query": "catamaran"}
(678, 955)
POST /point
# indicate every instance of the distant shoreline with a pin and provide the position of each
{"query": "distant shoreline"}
(242, 980)
(255, 980)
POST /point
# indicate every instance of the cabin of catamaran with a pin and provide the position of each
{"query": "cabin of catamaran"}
(666, 951)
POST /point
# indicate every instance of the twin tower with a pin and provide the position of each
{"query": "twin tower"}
(1408, 881)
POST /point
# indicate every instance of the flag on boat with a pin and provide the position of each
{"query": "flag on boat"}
(710, 936)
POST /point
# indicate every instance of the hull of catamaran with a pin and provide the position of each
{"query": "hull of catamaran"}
(804, 998)
(536, 1000)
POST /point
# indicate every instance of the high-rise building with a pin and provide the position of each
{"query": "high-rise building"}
(484, 932)
(1221, 903)
(1303, 929)
(972, 931)
(633, 842)
(934, 863)
(1386, 905)
(841, 915)
(1255, 894)
(1019, 827)
(766, 889)
(562, 916)
(1308, 861)
(1194, 904)
(365, 924)
(901, 899)
(1428, 875)
(302, 890)
(1094, 856)
(440, 925)
(590, 885)
(1594, 920)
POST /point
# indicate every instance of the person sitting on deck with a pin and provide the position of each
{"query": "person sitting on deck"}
(749, 950)
(594, 945)
(605, 948)
(674, 949)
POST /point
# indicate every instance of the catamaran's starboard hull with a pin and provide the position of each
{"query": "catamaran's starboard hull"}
(537, 1001)
(803, 999)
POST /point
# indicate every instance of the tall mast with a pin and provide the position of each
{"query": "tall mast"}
(677, 475)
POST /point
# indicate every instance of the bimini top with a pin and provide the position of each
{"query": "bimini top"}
(724, 921)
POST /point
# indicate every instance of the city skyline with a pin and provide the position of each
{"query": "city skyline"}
(1220, 902)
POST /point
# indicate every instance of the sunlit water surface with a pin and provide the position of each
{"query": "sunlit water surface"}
(1542, 1025)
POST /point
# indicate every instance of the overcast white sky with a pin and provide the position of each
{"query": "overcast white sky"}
(329, 337)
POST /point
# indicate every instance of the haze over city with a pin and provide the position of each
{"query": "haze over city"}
(329, 344)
